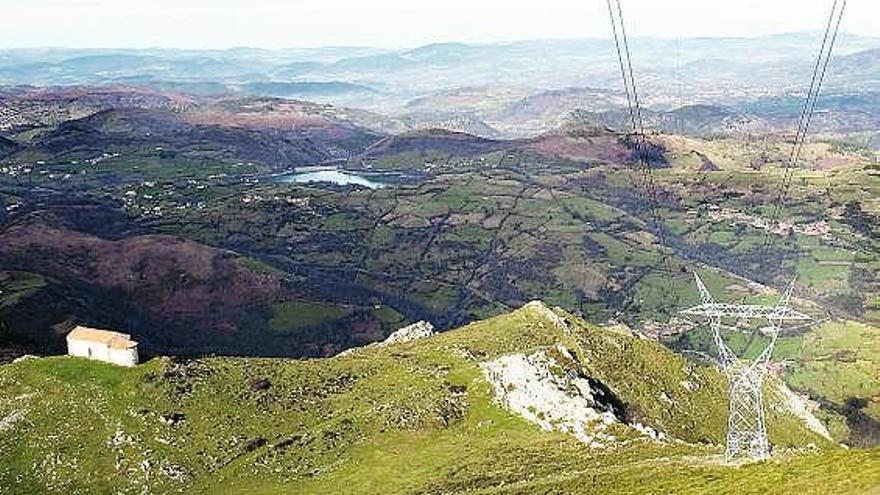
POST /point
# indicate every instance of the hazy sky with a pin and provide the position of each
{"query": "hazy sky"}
(395, 23)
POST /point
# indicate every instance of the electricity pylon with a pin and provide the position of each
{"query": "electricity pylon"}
(746, 431)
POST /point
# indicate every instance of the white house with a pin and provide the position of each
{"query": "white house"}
(102, 345)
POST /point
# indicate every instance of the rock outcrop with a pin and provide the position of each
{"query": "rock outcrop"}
(544, 311)
(410, 333)
(799, 406)
(545, 390)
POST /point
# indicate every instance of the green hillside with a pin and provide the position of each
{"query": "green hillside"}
(417, 417)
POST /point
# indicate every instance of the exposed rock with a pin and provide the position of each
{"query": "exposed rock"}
(410, 333)
(254, 444)
(120, 438)
(287, 442)
(261, 384)
(649, 432)
(26, 357)
(548, 394)
(173, 419)
(19, 413)
(457, 389)
(799, 407)
(690, 386)
(545, 312)
(9, 421)
(175, 472)
(454, 407)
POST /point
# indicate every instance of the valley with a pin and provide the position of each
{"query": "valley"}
(468, 228)
(444, 269)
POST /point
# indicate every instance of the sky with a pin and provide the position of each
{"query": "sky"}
(396, 23)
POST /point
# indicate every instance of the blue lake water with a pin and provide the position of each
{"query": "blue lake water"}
(332, 176)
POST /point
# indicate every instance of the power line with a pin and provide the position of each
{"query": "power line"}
(627, 73)
(806, 117)
(633, 104)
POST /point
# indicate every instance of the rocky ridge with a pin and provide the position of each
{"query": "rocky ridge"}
(410, 333)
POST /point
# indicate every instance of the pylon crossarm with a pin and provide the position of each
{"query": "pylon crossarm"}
(746, 311)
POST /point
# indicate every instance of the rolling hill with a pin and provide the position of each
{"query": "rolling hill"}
(467, 228)
(272, 132)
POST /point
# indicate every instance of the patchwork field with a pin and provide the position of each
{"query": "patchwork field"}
(469, 228)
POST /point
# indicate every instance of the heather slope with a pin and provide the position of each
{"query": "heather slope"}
(174, 296)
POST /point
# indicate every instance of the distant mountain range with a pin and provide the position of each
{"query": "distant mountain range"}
(541, 64)
(509, 90)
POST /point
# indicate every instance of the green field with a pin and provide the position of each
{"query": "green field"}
(839, 361)
(15, 286)
(292, 316)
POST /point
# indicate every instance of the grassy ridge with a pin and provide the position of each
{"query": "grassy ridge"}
(409, 418)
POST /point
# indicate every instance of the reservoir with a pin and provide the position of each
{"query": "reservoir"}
(338, 177)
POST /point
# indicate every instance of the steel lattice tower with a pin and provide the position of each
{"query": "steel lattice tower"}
(746, 432)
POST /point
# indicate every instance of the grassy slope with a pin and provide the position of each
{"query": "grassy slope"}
(834, 362)
(383, 420)
(838, 362)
